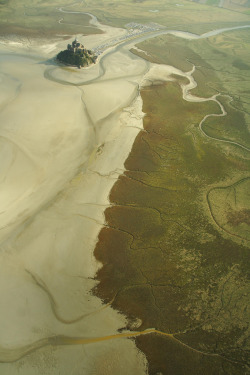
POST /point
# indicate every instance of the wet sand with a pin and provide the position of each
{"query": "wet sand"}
(63, 144)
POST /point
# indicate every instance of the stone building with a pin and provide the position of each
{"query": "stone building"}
(75, 46)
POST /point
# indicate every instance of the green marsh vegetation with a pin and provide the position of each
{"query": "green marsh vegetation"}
(31, 17)
(230, 207)
(213, 2)
(175, 251)
(217, 71)
(35, 18)
(164, 258)
(184, 15)
(232, 127)
(241, 6)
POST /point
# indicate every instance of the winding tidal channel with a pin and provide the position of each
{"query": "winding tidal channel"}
(65, 135)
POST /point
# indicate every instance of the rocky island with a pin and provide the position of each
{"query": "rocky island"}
(76, 55)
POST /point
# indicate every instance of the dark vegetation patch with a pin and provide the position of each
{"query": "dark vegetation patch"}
(13, 31)
(170, 50)
(239, 64)
(229, 205)
(180, 79)
(80, 58)
(173, 359)
(232, 127)
(163, 258)
(238, 217)
(212, 2)
(42, 21)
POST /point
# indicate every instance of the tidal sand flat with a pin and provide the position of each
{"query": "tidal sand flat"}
(53, 128)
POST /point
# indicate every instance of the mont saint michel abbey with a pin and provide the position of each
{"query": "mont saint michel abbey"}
(76, 46)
